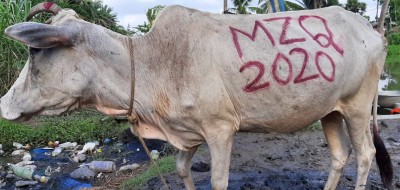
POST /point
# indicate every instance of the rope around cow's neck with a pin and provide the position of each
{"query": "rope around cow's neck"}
(133, 117)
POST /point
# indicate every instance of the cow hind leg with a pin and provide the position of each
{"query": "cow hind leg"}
(361, 139)
(338, 144)
(183, 160)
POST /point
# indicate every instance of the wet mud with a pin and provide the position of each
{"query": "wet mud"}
(295, 161)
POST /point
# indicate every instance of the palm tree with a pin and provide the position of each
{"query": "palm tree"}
(355, 6)
(241, 6)
(90, 10)
(151, 17)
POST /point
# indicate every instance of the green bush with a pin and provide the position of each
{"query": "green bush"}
(394, 39)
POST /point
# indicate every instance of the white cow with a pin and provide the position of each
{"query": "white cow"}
(202, 77)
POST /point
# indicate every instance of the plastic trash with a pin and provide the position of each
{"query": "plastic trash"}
(68, 145)
(39, 154)
(26, 147)
(22, 172)
(83, 173)
(102, 166)
(17, 145)
(154, 154)
(89, 146)
(106, 140)
(79, 158)
(25, 183)
(1, 152)
(42, 179)
(27, 157)
(18, 152)
(69, 183)
(24, 163)
(56, 151)
(130, 167)
(1, 146)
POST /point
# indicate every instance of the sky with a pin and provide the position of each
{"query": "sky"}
(133, 12)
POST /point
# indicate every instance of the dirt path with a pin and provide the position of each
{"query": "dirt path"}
(288, 161)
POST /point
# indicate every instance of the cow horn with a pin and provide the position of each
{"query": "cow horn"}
(49, 7)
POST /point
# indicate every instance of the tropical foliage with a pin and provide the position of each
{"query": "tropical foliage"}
(151, 16)
(241, 6)
(13, 54)
(356, 6)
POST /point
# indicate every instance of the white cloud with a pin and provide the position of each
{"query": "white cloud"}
(132, 20)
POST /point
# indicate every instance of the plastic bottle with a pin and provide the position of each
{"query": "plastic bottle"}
(56, 151)
(22, 172)
(68, 145)
(17, 145)
(102, 166)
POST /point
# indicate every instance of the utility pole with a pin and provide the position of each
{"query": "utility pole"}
(377, 7)
(225, 6)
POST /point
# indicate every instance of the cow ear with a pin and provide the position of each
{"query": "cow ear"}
(40, 35)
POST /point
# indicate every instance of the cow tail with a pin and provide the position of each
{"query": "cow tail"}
(382, 156)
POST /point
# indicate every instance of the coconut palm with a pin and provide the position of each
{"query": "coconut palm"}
(241, 6)
(151, 17)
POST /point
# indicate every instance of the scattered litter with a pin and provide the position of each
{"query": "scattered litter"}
(83, 173)
(17, 145)
(25, 183)
(154, 154)
(42, 179)
(102, 166)
(39, 154)
(79, 158)
(27, 157)
(1, 146)
(88, 147)
(130, 167)
(1, 152)
(68, 183)
(22, 171)
(26, 147)
(24, 163)
(106, 141)
(18, 152)
(138, 149)
(99, 175)
(124, 161)
(56, 151)
(68, 145)
(2, 183)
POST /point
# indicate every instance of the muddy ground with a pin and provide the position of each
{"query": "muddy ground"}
(288, 161)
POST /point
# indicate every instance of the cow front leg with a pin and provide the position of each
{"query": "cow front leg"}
(219, 139)
(183, 160)
(338, 145)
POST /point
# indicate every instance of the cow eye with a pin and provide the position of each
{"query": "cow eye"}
(34, 51)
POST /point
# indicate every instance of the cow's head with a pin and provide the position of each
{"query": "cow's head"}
(63, 62)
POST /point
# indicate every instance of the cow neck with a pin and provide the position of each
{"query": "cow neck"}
(133, 117)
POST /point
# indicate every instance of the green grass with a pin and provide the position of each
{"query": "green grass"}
(81, 126)
(12, 53)
(392, 66)
(167, 165)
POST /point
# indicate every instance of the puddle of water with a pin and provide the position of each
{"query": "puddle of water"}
(390, 79)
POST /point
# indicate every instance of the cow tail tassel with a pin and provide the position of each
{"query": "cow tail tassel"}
(382, 156)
